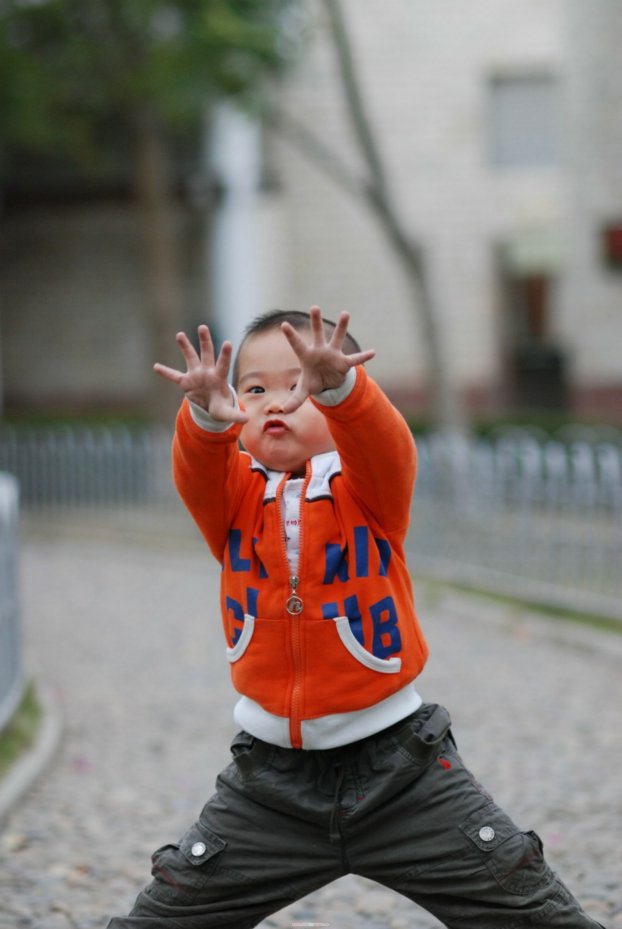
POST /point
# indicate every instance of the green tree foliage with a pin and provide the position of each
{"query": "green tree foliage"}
(69, 66)
(94, 83)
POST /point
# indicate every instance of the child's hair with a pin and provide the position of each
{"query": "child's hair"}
(298, 320)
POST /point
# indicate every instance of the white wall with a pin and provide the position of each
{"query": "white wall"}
(424, 68)
(593, 295)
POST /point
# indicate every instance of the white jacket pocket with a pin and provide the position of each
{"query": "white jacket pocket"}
(383, 665)
(235, 653)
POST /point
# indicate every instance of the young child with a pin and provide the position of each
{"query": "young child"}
(339, 766)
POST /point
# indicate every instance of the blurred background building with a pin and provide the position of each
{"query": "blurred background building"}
(499, 126)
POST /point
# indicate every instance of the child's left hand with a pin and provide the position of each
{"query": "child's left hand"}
(323, 363)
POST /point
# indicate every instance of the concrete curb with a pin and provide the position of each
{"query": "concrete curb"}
(530, 591)
(24, 773)
(520, 618)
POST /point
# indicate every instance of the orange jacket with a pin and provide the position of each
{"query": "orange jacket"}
(344, 635)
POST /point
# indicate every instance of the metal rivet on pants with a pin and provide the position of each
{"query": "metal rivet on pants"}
(198, 849)
(486, 833)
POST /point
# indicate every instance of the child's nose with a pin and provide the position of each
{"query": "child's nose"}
(276, 400)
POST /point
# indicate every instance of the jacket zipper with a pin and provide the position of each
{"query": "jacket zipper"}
(294, 606)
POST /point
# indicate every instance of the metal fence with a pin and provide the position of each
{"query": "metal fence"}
(11, 668)
(524, 514)
(518, 512)
(81, 467)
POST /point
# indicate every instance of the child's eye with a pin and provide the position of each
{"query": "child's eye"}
(255, 390)
(294, 385)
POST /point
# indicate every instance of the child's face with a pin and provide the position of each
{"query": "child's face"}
(268, 369)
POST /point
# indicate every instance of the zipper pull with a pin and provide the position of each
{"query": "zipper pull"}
(294, 604)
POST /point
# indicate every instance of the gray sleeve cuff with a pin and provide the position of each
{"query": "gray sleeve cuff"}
(203, 419)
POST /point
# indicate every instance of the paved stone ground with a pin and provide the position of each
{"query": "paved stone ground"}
(126, 634)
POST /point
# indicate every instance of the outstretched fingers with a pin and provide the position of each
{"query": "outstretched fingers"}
(338, 337)
(223, 362)
(205, 380)
(170, 374)
(317, 326)
(339, 333)
(190, 356)
(296, 398)
(323, 361)
(295, 339)
(359, 358)
(188, 350)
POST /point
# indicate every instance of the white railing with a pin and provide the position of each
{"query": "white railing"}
(11, 668)
(524, 514)
(77, 467)
(518, 512)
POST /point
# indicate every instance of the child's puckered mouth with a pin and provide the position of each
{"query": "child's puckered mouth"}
(275, 427)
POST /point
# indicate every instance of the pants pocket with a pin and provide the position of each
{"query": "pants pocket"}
(181, 869)
(514, 858)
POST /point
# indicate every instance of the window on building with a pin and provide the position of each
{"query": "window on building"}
(524, 129)
(612, 245)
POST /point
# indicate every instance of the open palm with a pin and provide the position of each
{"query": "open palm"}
(205, 380)
(323, 363)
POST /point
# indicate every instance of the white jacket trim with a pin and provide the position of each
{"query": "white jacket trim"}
(328, 731)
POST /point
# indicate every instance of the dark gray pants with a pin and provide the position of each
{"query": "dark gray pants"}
(399, 808)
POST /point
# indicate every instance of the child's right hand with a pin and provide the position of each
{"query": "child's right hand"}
(205, 381)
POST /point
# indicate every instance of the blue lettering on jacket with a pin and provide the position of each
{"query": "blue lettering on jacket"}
(335, 563)
(386, 639)
(384, 550)
(355, 619)
(238, 611)
(361, 551)
(237, 562)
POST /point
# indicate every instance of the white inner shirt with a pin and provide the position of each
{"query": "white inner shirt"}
(292, 520)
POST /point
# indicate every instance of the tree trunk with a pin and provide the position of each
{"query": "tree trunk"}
(446, 408)
(155, 200)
